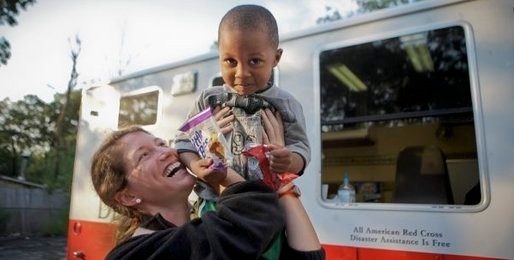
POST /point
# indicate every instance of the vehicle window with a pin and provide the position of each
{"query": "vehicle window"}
(138, 109)
(397, 120)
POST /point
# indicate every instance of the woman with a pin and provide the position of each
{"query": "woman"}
(141, 178)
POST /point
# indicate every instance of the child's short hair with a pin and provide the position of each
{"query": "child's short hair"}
(251, 17)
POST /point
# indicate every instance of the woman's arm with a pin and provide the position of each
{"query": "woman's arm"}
(300, 233)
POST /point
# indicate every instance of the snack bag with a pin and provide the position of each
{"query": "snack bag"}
(207, 138)
(272, 179)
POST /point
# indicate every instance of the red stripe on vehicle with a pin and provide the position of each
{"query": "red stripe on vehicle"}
(90, 240)
(336, 252)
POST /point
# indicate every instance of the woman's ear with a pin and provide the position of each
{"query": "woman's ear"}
(278, 55)
(126, 199)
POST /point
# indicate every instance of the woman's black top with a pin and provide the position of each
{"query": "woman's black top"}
(240, 228)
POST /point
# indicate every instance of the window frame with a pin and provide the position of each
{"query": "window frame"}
(477, 117)
(141, 91)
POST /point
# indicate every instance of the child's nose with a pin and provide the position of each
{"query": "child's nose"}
(241, 70)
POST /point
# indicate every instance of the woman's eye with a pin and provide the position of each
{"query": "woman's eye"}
(142, 156)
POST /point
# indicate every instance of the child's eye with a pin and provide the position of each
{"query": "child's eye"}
(255, 61)
(230, 62)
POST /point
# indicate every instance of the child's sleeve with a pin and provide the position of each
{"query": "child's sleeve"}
(295, 134)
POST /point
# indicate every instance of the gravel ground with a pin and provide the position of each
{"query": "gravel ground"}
(32, 247)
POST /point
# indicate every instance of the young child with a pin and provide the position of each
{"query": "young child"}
(248, 52)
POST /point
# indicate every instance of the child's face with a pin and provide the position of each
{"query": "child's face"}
(247, 59)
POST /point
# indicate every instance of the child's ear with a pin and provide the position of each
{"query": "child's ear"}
(278, 55)
(126, 199)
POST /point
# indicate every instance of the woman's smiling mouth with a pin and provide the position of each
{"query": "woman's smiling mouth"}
(172, 169)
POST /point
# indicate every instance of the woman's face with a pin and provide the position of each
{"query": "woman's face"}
(154, 172)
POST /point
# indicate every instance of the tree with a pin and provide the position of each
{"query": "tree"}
(8, 11)
(365, 6)
(57, 163)
(28, 125)
(59, 142)
(25, 126)
(46, 130)
(124, 60)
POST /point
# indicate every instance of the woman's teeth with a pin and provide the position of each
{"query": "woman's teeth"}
(172, 169)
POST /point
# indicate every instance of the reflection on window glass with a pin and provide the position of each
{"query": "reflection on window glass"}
(343, 10)
(138, 109)
(397, 117)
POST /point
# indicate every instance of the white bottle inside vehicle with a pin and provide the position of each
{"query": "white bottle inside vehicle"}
(346, 192)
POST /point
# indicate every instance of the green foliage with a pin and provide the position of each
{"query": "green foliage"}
(5, 50)
(28, 125)
(4, 218)
(8, 11)
(25, 126)
(10, 8)
(57, 225)
(41, 170)
(8, 161)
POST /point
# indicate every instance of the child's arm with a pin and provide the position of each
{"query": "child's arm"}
(190, 159)
(201, 168)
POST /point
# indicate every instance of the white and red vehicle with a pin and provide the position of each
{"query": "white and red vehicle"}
(414, 104)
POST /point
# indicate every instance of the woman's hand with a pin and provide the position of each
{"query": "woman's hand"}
(273, 128)
(224, 118)
(280, 158)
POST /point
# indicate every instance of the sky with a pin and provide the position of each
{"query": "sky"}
(146, 33)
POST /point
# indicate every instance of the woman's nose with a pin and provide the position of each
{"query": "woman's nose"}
(164, 153)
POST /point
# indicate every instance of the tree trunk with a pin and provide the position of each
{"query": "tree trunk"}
(60, 146)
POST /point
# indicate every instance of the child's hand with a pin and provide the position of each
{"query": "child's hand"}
(203, 170)
(280, 158)
(224, 118)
